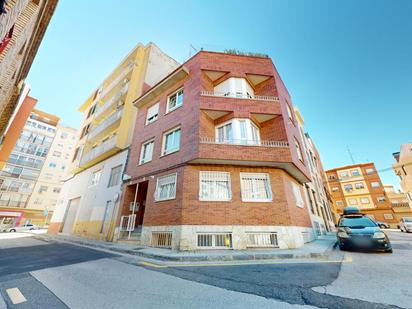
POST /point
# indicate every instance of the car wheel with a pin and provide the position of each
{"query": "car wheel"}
(342, 247)
(12, 230)
(31, 229)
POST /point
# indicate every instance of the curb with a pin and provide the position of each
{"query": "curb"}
(330, 250)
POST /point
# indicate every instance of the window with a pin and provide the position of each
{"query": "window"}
(375, 184)
(297, 145)
(214, 186)
(348, 187)
(57, 154)
(52, 165)
(255, 187)
(166, 187)
(339, 203)
(95, 178)
(353, 201)
(152, 113)
(42, 189)
(175, 100)
(146, 152)
(381, 199)
(370, 171)
(388, 216)
(331, 177)
(344, 174)
(262, 239)
(215, 240)
(364, 200)
(171, 141)
(289, 110)
(115, 174)
(354, 172)
(298, 195)
(238, 131)
(224, 133)
(359, 186)
(63, 135)
(335, 189)
(56, 190)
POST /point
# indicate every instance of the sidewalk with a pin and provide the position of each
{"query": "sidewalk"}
(320, 248)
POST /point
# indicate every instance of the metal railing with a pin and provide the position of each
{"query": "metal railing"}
(112, 100)
(107, 122)
(162, 239)
(256, 143)
(268, 239)
(239, 96)
(127, 223)
(97, 151)
(401, 204)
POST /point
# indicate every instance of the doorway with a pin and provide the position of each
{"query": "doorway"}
(70, 216)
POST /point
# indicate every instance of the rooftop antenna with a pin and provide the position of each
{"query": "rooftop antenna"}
(191, 47)
(350, 154)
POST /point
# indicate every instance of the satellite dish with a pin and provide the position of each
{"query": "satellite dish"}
(116, 197)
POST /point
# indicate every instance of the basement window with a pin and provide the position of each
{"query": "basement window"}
(214, 240)
(262, 239)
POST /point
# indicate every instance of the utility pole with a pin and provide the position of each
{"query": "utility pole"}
(350, 154)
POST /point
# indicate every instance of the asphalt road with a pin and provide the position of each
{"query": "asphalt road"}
(57, 275)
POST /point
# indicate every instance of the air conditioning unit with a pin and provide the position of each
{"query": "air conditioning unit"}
(134, 206)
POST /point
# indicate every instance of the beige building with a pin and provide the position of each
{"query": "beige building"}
(47, 188)
(399, 201)
(22, 27)
(403, 168)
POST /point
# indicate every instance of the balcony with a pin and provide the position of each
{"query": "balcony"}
(91, 156)
(111, 104)
(107, 125)
(117, 80)
(253, 143)
(239, 96)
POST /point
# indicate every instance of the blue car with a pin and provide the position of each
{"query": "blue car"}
(358, 231)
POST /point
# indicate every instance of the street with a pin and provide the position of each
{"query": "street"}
(60, 275)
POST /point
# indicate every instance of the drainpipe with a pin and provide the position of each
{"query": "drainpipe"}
(134, 206)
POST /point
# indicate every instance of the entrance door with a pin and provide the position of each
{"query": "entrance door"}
(141, 200)
(70, 216)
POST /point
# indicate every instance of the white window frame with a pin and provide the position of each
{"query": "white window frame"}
(359, 183)
(202, 177)
(164, 153)
(363, 200)
(93, 180)
(298, 149)
(142, 148)
(297, 193)
(353, 199)
(370, 170)
(345, 174)
(339, 203)
(113, 183)
(355, 171)
(251, 131)
(157, 192)
(153, 116)
(335, 189)
(258, 176)
(375, 184)
(168, 109)
(381, 199)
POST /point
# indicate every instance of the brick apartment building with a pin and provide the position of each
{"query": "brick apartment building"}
(360, 185)
(216, 159)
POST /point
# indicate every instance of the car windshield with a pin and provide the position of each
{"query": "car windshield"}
(407, 219)
(356, 222)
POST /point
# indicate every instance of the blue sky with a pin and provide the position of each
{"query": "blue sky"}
(347, 64)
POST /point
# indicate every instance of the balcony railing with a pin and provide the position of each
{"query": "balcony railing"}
(107, 122)
(260, 143)
(111, 101)
(99, 150)
(117, 80)
(239, 96)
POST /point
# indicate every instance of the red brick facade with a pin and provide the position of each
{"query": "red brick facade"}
(196, 123)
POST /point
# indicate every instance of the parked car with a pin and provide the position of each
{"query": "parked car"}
(383, 225)
(22, 228)
(405, 224)
(358, 231)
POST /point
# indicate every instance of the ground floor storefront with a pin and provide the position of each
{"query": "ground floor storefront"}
(12, 216)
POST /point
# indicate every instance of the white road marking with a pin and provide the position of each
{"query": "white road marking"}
(16, 296)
